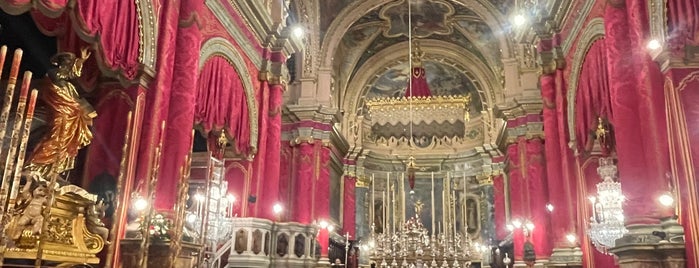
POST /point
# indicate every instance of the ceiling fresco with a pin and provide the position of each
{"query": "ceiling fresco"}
(329, 10)
(444, 80)
(428, 17)
(443, 20)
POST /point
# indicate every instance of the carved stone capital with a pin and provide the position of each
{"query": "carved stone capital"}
(550, 61)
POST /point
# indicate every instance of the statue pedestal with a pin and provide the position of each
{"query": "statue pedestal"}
(158, 254)
(652, 246)
(566, 257)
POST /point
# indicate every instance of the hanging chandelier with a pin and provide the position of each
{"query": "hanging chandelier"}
(607, 221)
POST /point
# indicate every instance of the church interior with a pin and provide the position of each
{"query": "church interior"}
(349, 133)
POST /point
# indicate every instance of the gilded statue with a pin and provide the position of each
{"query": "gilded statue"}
(30, 206)
(71, 117)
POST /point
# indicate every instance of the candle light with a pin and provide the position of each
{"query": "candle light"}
(22, 149)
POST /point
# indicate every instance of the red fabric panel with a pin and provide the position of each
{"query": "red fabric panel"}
(537, 196)
(236, 175)
(286, 172)
(180, 120)
(262, 207)
(109, 128)
(113, 23)
(682, 23)
(556, 187)
(688, 96)
(592, 95)
(221, 102)
(303, 183)
(418, 84)
(517, 197)
(158, 93)
(272, 150)
(632, 163)
(322, 183)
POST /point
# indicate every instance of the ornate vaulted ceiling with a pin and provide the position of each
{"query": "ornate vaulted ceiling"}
(464, 41)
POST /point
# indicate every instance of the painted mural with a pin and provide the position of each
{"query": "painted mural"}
(428, 17)
(444, 80)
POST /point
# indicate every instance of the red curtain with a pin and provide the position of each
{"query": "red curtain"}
(418, 84)
(683, 23)
(592, 95)
(222, 103)
(114, 23)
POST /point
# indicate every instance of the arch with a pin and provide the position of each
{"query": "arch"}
(147, 33)
(441, 51)
(357, 9)
(593, 32)
(218, 46)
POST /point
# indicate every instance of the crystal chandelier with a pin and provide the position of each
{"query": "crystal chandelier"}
(607, 221)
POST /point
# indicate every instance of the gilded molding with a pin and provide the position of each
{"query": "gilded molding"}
(591, 33)
(147, 33)
(577, 26)
(224, 18)
(221, 47)
(485, 81)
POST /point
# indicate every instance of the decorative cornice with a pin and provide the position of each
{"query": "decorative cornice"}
(523, 119)
(224, 18)
(147, 33)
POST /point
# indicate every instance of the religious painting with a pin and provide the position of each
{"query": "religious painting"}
(428, 17)
(443, 80)
(472, 213)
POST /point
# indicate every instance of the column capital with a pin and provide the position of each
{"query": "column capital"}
(523, 118)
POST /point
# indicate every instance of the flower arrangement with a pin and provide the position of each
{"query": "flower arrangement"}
(159, 227)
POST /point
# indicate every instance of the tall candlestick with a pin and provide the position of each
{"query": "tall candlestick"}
(372, 209)
(5, 113)
(393, 208)
(453, 211)
(388, 202)
(385, 212)
(432, 204)
(402, 198)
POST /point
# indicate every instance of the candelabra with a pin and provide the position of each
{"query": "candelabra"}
(412, 246)
(607, 221)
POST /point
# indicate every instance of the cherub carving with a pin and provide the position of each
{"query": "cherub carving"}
(31, 207)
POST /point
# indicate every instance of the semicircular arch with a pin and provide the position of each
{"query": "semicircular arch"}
(440, 51)
(592, 32)
(353, 12)
(218, 46)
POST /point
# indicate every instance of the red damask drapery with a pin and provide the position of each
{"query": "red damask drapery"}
(683, 23)
(592, 95)
(222, 103)
(112, 23)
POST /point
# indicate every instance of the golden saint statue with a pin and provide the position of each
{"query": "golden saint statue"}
(71, 117)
